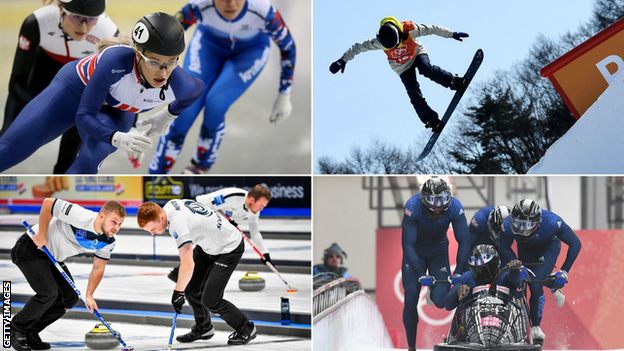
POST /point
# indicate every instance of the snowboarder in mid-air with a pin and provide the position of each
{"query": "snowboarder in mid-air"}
(405, 54)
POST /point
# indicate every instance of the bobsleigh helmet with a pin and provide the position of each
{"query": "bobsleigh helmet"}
(484, 263)
(435, 198)
(495, 221)
(525, 219)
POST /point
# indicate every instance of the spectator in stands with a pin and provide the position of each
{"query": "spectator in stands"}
(333, 262)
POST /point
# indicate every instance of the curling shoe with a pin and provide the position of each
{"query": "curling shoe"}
(537, 335)
(19, 341)
(34, 341)
(244, 336)
(196, 333)
(559, 297)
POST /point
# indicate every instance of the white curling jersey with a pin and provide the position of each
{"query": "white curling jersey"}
(71, 232)
(192, 222)
(232, 202)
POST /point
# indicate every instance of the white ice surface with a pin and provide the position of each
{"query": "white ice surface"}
(150, 284)
(69, 334)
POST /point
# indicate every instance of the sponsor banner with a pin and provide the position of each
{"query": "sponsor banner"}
(25, 193)
(584, 73)
(286, 192)
(590, 319)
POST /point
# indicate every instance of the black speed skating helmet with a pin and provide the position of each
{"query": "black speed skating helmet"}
(388, 35)
(92, 8)
(484, 262)
(495, 221)
(435, 198)
(160, 33)
(525, 219)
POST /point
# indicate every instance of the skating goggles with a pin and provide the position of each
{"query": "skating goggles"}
(79, 19)
(438, 200)
(523, 227)
(157, 65)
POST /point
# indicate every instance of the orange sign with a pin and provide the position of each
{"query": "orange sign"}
(584, 73)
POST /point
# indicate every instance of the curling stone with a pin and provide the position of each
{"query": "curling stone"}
(251, 282)
(100, 338)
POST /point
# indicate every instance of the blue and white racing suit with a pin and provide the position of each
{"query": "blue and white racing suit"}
(76, 96)
(228, 55)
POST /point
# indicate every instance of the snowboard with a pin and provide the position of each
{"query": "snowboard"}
(472, 70)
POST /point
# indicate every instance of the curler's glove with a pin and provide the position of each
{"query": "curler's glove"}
(282, 108)
(267, 258)
(177, 300)
(160, 122)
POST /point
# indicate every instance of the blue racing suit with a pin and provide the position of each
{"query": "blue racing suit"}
(75, 97)
(425, 249)
(228, 55)
(478, 229)
(510, 279)
(543, 247)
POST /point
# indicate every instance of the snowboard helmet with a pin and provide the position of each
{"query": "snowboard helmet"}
(91, 8)
(495, 221)
(389, 35)
(525, 219)
(435, 196)
(484, 263)
(159, 33)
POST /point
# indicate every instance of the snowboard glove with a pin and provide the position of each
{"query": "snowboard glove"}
(460, 35)
(561, 278)
(338, 66)
(435, 124)
(177, 300)
(267, 258)
(427, 280)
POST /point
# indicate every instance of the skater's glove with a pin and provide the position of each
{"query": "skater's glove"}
(462, 291)
(133, 142)
(453, 279)
(267, 258)
(177, 300)
(338, 66)
(515, 265)
(135, 159)
(460, 35)
(427, 280)
(561, 278)
(160, 122)
(282, 108)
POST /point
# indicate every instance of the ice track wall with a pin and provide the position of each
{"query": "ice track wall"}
(353, 322)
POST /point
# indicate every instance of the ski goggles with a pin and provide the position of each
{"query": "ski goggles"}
(438, 200)
(80, 19)
(523, 227)
(157, 65)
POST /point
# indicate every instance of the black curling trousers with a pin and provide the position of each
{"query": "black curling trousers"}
(205, 290)
(53, 294)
